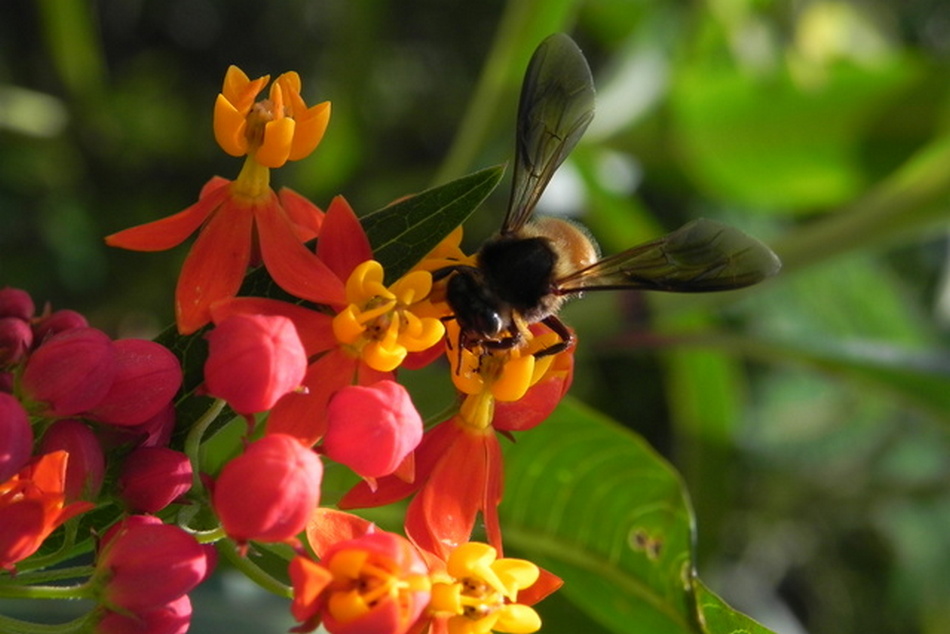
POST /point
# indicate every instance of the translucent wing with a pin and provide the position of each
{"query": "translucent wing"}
(557, 103)
(700, 256)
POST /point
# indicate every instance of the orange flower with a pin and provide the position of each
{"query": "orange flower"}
(32, 505)
(276, 130)
(244, 220)
(481, 592)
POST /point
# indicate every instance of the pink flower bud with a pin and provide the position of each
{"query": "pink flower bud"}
(16, 338)
(253, 360)
(57, 322)
(143, 567)
(171, 618)
(71, 372)
(153, 477)
(86, 467)
(16, 437)
(268, 492)
(156, 431)
(372, 428)
(124, 525)
(16, 303)
(147, 377)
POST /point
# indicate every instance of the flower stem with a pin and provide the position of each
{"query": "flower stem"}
(193, 441)
(10, 625)
(252, 571)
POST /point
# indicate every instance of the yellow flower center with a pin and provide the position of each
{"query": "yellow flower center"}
(379, 324)
(361, 581)
(485, 375)
(482, 593)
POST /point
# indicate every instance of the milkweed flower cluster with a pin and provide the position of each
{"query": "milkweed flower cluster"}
(88, 423)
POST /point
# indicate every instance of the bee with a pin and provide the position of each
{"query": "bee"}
(524, 274)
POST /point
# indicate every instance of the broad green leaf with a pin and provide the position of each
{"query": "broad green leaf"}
(593, 503)
(404, 232)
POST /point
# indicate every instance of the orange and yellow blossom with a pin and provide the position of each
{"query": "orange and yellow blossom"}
(478, 593)
(244, 221)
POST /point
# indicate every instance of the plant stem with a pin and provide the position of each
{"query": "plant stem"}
(251, 570)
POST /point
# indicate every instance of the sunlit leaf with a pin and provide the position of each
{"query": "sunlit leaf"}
(596, 505)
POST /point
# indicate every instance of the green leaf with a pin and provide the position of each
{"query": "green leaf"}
(717, 617)
(404, 232)
(596, 505)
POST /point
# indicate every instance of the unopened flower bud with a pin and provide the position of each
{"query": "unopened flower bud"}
(172, 618)
(154, 477)
(147, 377)
(144, 567)
(57, 322)
(16, 337)
(16, 303)
(71, 372)
(86, 467)
(268, 492)
(253, 360)
(372, 428)
(16, 437)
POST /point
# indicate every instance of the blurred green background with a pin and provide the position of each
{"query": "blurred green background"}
(808, 416)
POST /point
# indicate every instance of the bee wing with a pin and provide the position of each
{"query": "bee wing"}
(557, 103)
(700, 256)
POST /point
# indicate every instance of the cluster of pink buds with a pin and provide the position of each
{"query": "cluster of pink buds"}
(85, 422)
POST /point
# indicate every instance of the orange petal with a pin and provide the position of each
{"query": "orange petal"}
(311, 127)
(303, 414)
(278, 137)
(240, 90)
(230, 126)
(442, 514)
(214, 268)
(343, 244)
(295, 269)
(329, 526)
(306, 217)
(171, 231)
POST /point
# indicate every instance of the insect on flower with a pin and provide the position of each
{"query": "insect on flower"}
(524, 273)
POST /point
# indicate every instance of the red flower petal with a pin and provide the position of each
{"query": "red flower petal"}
(171, 231)
(303, 415)
(306, 217)
(343, 244)
(215, 266)
(442, 514)
(295, 269)
(329, 526)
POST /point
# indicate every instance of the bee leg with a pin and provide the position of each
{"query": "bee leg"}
(562, 331)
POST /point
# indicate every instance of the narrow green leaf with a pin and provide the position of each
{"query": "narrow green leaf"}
(404, 232)
(595, 504)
